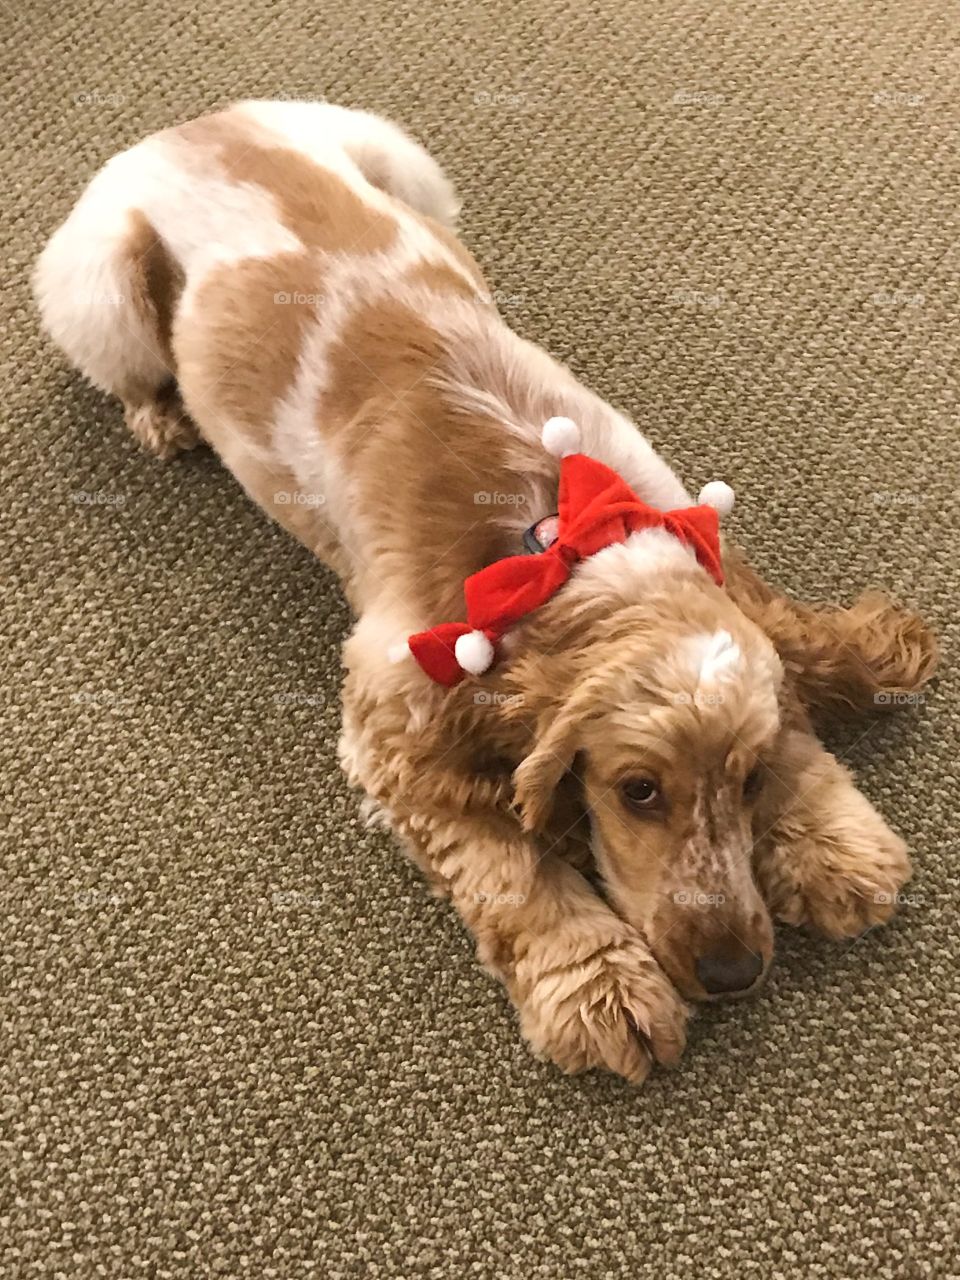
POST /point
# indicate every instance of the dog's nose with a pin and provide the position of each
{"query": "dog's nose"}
(722, 972)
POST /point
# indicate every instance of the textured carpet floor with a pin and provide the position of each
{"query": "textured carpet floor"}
(240, 1037)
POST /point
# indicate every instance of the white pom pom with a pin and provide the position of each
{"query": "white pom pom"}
(474, 652)
(561, 437)
(719, 495)
(397, 652)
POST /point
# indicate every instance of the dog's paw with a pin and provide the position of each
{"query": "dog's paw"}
(162, 425)
(613, 1008)
(840, 890)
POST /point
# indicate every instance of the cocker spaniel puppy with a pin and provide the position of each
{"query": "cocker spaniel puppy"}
(601, 751)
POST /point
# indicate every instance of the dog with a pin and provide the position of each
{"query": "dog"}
(620, 789)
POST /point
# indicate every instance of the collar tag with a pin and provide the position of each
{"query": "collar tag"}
(542, 535)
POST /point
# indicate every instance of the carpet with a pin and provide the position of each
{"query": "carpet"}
(240, 1038)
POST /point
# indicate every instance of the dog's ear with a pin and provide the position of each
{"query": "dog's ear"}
(540, 773)
(839, 659)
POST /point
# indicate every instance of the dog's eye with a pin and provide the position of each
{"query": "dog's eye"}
(752, 783)
(640, 793)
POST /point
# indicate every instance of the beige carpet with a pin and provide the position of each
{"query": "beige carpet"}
(240, 1037)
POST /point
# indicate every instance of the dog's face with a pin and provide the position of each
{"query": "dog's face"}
(667, 730)
(672, 788)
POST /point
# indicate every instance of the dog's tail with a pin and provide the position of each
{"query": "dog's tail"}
(389, 158)
(873, 656)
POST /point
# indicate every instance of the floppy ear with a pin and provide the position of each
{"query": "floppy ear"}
(538, 776)
(839, 659)
(551, 704)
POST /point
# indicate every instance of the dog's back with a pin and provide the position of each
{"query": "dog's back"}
(258, 182)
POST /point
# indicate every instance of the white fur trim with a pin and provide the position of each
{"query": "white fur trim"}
(719, 495)
(474, 652)
(561, 437)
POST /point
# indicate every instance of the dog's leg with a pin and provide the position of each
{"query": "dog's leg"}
(584, 983)
(107, 291)
(869, 657)
(827, 859)
(587, 988)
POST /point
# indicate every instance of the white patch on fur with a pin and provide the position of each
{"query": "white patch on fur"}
(227, 221)
(82, 278)
(298, 443)
(710, 868)
(343, 142)
(377, 632)
(627, 568)
(714, 657)
(365, 657)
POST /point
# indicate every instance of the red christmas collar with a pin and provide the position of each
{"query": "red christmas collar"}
(596, 509)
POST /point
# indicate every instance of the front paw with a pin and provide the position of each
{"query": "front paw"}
(612, 1007)
(839, 889)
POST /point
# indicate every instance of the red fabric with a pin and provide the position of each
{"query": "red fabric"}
(597, 509)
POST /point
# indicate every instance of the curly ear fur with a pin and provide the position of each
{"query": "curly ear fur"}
(840, 660)
(557, 694)
(538, 777)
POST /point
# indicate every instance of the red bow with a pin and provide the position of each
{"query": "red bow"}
(597, 509)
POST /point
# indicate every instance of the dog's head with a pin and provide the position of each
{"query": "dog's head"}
(663, 705)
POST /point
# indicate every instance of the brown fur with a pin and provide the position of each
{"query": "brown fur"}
(312, 202)
(864, 658)
(824, 857)
(158, 282)
(430, 536)
(238, 350)
(154, 413)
